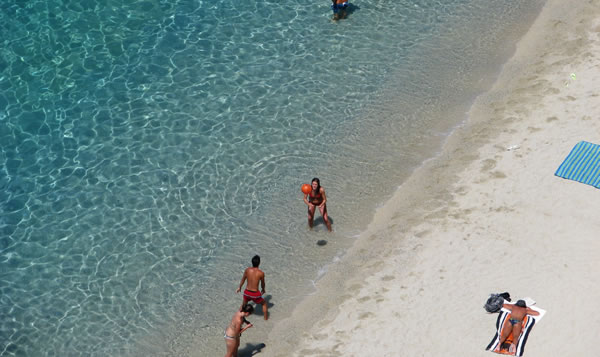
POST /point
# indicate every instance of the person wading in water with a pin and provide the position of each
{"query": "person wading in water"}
(317, 198)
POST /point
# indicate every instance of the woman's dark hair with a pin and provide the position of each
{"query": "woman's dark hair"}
(247, 308)
(255, 261)
(318, 183)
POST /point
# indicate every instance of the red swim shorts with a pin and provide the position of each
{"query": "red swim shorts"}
(254, 296)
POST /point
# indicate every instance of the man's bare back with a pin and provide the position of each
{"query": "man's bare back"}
(253, 277)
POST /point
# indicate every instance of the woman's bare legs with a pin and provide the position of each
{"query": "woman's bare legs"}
(323, 211)
(311, 215)
(232, 347)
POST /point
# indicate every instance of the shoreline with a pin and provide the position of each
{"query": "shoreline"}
(434, 243)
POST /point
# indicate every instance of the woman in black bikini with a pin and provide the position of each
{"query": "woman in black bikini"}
(317, 198)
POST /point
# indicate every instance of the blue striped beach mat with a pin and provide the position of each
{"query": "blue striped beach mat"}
(582, 164)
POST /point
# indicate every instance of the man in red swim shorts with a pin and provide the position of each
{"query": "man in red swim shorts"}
(254, 275)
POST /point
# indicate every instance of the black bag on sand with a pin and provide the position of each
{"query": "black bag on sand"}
(495, 301)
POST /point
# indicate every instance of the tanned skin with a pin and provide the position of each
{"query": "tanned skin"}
(312, 203)
(517, 313)
(253, 275)
(234, 330)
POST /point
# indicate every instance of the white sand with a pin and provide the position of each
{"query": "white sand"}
(480, 219)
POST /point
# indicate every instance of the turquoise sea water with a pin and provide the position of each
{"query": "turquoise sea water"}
(148, 149)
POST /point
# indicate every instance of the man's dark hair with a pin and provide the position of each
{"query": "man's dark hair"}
(521, 303)
(255, 261)
(247, 308)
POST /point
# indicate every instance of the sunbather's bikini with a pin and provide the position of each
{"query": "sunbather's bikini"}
(514, 321)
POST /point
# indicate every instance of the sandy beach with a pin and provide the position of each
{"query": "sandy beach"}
(487, 215)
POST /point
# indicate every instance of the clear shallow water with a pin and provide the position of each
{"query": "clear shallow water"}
(149, 148)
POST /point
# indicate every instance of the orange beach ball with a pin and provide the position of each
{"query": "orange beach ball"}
(306, 189)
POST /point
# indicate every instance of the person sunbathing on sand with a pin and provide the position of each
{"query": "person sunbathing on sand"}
(517, 313)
